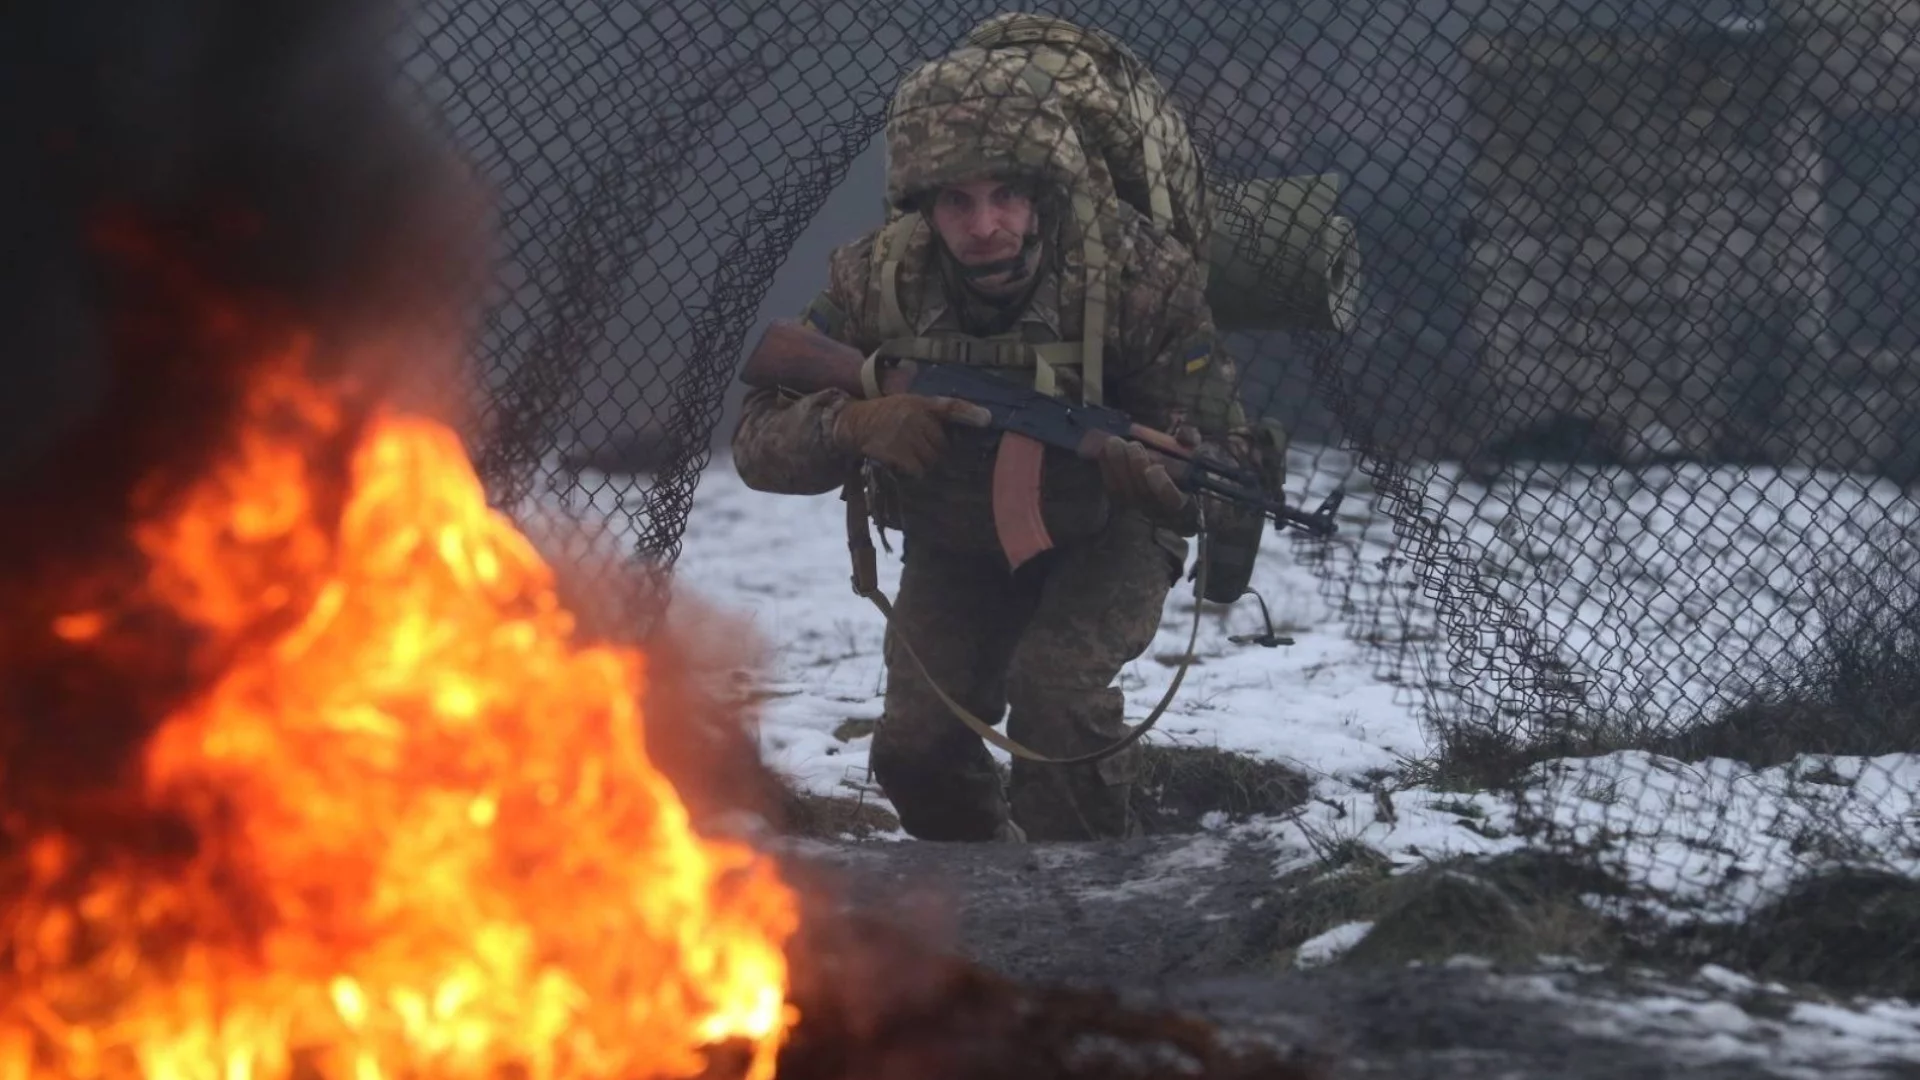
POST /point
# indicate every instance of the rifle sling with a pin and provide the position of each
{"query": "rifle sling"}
(866, 583)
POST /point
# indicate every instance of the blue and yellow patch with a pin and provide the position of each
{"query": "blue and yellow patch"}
(823, 317)
(1198, 356)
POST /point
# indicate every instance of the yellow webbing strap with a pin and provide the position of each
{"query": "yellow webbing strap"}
(1043, 377)
(1058, 353)
(1094, 331)
(887, 252)
(1159, 196)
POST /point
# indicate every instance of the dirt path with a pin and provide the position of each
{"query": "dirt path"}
(1191, 920)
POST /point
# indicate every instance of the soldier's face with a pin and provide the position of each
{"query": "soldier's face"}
(982, 222)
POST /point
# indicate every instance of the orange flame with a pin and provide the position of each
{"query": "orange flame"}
(427, 840)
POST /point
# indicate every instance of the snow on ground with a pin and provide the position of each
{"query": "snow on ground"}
(1631, 569)
(1710, 840)
(1721, 1017)
(1647, 583)
(1664, 587)
(1323, 948)
(782, 561)
(1715, 839)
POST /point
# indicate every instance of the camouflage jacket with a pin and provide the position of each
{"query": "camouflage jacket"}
(1162, 366)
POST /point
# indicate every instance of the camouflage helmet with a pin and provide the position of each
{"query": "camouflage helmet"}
(977, 113)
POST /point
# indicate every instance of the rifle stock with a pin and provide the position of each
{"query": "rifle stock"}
(794, 356)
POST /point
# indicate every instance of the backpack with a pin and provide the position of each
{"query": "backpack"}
(1124, 116)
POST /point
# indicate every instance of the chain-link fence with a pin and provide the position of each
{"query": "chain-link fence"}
(1626, 410)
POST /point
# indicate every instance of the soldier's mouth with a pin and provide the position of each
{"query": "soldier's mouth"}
(988, 256)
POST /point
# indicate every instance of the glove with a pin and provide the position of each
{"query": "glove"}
(1136, 481)
(906, 432)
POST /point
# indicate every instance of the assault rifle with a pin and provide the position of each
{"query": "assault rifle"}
(795, 356)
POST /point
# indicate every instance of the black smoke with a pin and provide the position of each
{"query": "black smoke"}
(269, 141)
(155, 154)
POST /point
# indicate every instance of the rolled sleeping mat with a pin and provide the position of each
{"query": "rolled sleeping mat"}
(1279, 258)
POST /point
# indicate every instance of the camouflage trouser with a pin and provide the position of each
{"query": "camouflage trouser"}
(1043, 647)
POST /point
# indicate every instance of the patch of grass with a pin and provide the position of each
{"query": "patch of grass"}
(1854, 692)
(1440, 915)
(1825, 773)
(1426, 773)
(855, 727)
(1851, 931)
(1477, 759)
(1783, 721)
(1355, 886)
(1822, 843)
(1355, 855)
(832, 817)
(1510, 909)
(1180, 785)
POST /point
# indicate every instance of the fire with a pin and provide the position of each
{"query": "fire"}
(424, 839)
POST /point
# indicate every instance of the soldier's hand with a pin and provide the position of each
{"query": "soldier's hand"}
(1135, 480)
(904, 431)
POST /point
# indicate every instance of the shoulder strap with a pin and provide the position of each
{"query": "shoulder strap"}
(1093, 331)
(888, 249)
(1159, 195)
(1047, 357)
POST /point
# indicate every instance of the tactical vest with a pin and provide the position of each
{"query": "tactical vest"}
(1009, 352)
(955, 505)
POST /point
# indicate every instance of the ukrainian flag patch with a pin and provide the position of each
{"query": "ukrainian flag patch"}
(823, 316)
(1197, 357)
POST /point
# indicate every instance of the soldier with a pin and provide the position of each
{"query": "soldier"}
(983, 168)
